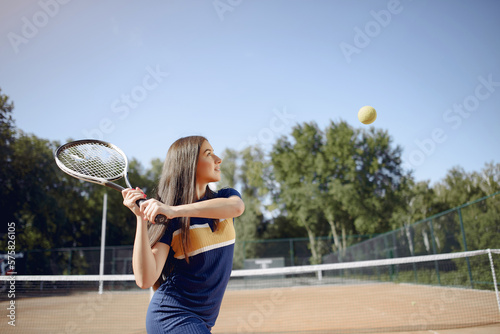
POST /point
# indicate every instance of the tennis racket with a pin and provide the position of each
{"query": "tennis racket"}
(98, 162)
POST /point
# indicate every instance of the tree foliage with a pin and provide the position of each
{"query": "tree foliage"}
(340, 180)
(7, 133)
(246, 170)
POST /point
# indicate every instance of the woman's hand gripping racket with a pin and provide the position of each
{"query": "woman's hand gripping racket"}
(98, 162)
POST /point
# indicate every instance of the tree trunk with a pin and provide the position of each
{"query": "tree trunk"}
(336, 239)
(313, 244)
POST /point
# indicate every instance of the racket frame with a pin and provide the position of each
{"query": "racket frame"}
(159, 219)
(94, 179)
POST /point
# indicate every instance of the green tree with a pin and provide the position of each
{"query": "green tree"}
(343, 181)
(371, 196)
(7, 138)
(484, 224)
(488, 179)
(44, 204)
(337, 170)
(295, 169)
(479, 220)
(417, 202)
(229, 169)
(457, 188)
(246, 170)
(52, 209)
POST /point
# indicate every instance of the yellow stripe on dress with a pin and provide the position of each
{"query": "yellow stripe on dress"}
(202, 239)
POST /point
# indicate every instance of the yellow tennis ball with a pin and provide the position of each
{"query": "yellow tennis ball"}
(367, 115)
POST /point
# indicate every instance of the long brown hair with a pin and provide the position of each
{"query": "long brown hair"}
(177, 186)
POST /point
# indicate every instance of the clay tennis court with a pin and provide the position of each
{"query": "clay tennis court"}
(362, 308)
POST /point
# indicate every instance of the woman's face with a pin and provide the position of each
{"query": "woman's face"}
(208, 168)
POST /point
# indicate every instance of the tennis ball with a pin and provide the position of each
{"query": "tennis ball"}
(367, 115)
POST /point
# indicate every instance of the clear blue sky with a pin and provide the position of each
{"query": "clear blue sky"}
(141, 74)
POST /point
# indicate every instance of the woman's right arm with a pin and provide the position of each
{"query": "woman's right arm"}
(147, 261)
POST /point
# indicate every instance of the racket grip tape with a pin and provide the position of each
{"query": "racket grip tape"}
(159, 219)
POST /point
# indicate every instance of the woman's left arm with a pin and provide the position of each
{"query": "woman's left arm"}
(215, 208)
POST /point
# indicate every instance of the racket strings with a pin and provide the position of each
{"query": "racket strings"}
(93, 159)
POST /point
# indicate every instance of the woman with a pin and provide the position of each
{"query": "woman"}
(189, 259)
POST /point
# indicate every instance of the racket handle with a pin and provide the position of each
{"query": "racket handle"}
(159, 219)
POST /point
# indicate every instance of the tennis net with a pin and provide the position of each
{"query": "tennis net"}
(423, 293)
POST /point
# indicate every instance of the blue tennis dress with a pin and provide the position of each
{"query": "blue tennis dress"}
(190, 299)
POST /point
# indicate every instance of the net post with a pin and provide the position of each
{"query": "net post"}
(494, 278)
(103, 241)
(320, 275)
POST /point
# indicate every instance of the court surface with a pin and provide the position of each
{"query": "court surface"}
(380, 308)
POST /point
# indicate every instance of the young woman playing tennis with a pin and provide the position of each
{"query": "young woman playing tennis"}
(189, 259)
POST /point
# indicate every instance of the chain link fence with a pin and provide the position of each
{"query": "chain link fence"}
(471, 226)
